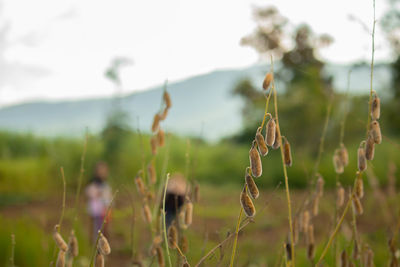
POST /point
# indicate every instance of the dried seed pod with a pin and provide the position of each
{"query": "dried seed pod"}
(344, 259)
(196, 194)
(267, 80)
(270, 132)
(255, 161)
(251, 185)
(156, 123)
(160, 257)
(340, 196)
(344, 155)
(160, 138)
(359, 188)
(247, 204)
(189, 213)
(278, 139)
(146, 213)
(337, 162)
(172, 236)
(369, 148)
(60, 258)
(305, 221)
(103, 246)
(376, 107)
(73, 247)
(320, 185)
(153, 144)
(362, 160)
(167, 99)
(151, 170)
(369, 258)
(164, 114)
(376, 132)
(141, 188)
(149, 196)
(310, 234)
(99, 262)
(315, 205)
(287, 155)
(59, 240)
(358, 208)
(184, 244)
(262, 147)
(311, 251)
(288, 248)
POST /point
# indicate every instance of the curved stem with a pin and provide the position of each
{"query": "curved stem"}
(236, 237)
(164, 223)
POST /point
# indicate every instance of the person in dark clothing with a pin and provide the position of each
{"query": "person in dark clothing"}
(175, 197)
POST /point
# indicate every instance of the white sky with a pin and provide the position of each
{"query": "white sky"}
(57, 49)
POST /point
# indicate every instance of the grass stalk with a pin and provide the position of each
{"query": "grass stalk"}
(165, 224)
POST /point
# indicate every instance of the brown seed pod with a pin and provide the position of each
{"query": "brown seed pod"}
(344, 259)
(343, 155)
(146, 213)
(59, 240)
(151, 170)
(196, 194)
(305, 222)
(362, 160)
(184, 244)
(160, 257)
(311, 251)
(167, 99)
(288, 248)
(247, 204)
(376, 107)
(99, 262)
(320, 185)
(369, 148)
(103, 246)
(358, 208)
(60, 259)
(310, 234)
(315, 205)
(270, 132)
(359, 188)
(340, 196)
(255, 161)
(73, 246)
(189, 213)
(156, 123)
(141, 188)
(369, 258)
(251, 185)
(172, 236)
(267, 80)
(337, 162)
(160, 138)
(278, 139)
(153, 144)
(185, 264)
(376, 132)
(393, 261)
(164, 114)
(287, 155)
(262, 147)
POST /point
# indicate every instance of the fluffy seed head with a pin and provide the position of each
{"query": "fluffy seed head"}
(376, 108)
(73, 247)
(189, 213)
(320, 186)
(357, 205)
(172, 236)
(59, 240)
(156, 123)
(60, 259)
(270, 132)
(262, 147)
(255, 161)
(184, 244)
(359, 188)
(278, 139)
(151, 170)
(362, 160)
(103, 246)
(267, 80)
(99, 262)
(247, 204)
(160, 138)
(160, 257)
(141, 188)
(370, 148)
(343, 155)
(305, 222)
(287, 153)
(376, 132)
(340, 196)
(167, 99)
(251, 185)
(147, 213)
(337, 162)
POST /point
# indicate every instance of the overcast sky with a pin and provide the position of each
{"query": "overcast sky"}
(54, 49)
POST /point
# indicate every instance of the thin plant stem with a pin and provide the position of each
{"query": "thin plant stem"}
(80, 177)
(12, 250)
(63, 201)
(236, 237)
(164, 222)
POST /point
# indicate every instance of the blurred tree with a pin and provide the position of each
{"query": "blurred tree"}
(307, 88)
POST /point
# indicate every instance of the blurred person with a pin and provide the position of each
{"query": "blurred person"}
(99, 196)
(175, 197)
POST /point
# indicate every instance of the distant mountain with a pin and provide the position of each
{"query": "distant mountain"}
(201, 100)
